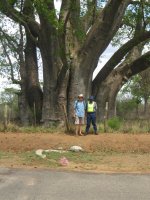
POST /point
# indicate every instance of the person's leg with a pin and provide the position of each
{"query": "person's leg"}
(80, 125)
(88, 121)
(77, 125)
(80, 129)
(93, 118)
(77, 129)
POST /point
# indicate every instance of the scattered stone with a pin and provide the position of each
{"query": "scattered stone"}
(39, 153)
(76, 148)
(60, 148)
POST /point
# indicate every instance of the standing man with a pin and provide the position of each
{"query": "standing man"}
(91, 108)
(79, 112)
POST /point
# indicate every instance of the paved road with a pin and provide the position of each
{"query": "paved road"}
(53, 185)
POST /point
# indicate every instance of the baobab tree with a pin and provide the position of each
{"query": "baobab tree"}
(70, 44)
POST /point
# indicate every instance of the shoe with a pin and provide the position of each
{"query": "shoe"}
(96, 133)
(85, 134)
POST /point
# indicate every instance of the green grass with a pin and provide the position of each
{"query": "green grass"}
(5, 155)
(52, 158)
(77, 157)
(109, 161)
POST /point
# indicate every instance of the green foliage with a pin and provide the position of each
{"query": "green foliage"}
(9, 96)
(125, 106)
(114, 123)
(138, 86)
(45, 8)
(12, 2)
(133, 15)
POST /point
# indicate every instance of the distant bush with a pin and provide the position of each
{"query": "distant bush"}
(114, 123)
(125, 107)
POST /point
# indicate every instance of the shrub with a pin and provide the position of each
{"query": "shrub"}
(114, 123)
(125, 107)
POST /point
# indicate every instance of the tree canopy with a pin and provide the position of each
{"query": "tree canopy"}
(70, 43)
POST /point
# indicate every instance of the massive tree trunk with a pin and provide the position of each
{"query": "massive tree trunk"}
(33, 90)
(22, 97)
(48, 44)
(109, 81)
(109, 88)
(144, 84)
(34, 93)
(69, 59)
(97, 39)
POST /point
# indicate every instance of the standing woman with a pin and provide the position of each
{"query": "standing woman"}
(79, 112)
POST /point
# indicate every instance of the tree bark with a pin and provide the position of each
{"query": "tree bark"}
(48, 44)
(109, 88)
(33, 90)
(98, 38)
(22, 97)
(145, 107)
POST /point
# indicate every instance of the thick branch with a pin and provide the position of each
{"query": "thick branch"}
(90, 16)
(140, 64)
(106, 25)
(64, 11)
(118, 56)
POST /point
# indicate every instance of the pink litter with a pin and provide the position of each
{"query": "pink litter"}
(63, 161)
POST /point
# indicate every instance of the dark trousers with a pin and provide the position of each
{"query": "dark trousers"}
(91, 117)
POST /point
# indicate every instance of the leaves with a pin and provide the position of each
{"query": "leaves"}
(138, 86)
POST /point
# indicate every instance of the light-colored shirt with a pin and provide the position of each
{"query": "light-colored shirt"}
(79, 107)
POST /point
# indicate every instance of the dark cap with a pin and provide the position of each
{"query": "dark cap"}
(91, 98)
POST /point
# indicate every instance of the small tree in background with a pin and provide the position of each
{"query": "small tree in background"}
(138, 91)
(9, 97)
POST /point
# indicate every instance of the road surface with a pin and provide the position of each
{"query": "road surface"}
(18, 184)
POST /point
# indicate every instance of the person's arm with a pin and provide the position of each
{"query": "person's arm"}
(85, 107)
(95, 106)
(75, 106)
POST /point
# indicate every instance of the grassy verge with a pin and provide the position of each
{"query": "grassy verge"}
(97, 161)
(114, 125)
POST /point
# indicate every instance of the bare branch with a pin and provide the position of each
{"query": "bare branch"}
(140, 64)
(103, 30)
(64, 11)
(11, 65)
(119, 54)
(31, 25)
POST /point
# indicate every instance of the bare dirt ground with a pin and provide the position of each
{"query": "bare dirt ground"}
(18, 142)
(112, 152)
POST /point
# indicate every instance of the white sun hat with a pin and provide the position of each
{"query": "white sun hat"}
(80, 95)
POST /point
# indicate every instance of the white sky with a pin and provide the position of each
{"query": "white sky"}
(107, 54)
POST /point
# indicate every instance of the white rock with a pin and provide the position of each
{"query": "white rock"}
(76, 148)
(39, 153)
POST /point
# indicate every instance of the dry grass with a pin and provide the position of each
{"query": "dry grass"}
(17, 142)
(105, 152)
